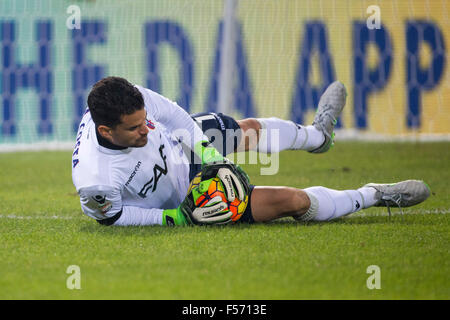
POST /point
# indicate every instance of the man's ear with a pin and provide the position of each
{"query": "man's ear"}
(105, 131)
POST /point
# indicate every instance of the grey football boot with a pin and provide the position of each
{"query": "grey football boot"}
(330, 107)
(401, 194)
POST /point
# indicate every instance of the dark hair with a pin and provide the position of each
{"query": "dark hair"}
(111, 98)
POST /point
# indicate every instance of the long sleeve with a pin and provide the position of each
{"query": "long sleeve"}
(173, 117)
(135, 216)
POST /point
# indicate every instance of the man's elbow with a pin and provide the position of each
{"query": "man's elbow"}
(111, 220)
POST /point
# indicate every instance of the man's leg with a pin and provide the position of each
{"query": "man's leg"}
(323, 204)
(275, 135)
(270, 203)
(316, 203)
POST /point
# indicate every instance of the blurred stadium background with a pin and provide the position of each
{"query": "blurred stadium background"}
(246, 58)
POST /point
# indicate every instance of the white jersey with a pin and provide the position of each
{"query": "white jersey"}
(154, 177)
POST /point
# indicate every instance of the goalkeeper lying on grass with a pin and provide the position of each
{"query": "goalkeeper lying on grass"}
(130, 166)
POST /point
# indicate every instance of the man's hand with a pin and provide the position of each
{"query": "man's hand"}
(214, 164)
(215, 211)
(233, 178)
(207, 153)
(231, 184)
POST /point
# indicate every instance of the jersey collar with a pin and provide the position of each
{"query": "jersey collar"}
(105, 143)
(107, 147)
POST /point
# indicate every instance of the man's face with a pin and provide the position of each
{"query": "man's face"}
(132, 130)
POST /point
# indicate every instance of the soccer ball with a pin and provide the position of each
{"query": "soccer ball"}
(208, 189)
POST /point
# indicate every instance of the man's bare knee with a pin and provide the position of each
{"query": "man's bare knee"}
(249, 123)
(250, 128)
(303, 202)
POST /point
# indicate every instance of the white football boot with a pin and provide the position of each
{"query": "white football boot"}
(401, 194)
(330, 107)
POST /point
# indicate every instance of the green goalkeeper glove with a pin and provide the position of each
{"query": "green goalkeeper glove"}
(174, 217)
(214, 212)
(214, 164)
(207, 153)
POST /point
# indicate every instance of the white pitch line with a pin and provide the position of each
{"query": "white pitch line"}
(13, 216)
(358, 214)
(396, 212)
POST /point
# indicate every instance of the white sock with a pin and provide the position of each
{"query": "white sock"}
(278, 135)
(327, 204)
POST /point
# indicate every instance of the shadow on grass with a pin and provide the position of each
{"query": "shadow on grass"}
(397, 219)
(161, 231)
(95, 228)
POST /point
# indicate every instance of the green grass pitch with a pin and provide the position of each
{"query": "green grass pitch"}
(43, 232)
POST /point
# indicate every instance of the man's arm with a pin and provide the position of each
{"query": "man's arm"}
(134, 216)
(105, 205)
(173, 117)
(179, 122)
